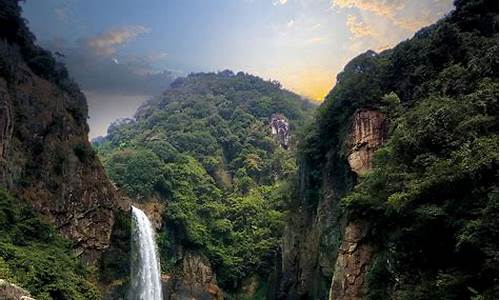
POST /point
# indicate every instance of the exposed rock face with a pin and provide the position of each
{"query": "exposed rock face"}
(281, 129)
(306, 270)
(367, 133)
(198, 280)
(5, 117)
(10, 291)
(46, 159)
(354, 257)
(319, 243)
(153, 208)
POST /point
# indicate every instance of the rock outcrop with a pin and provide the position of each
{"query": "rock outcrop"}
(367, 133)
(197, 281)
(354, 258)
(10, 291)
(281, 129)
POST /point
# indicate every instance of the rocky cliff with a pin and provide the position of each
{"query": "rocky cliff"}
(195, 279)
(390, 201)
(9, 291)
(318, 240)
(367, 133)
(45, 156)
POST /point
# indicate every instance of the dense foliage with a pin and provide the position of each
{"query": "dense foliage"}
(205, 148)
(432, 197)
(34, 256)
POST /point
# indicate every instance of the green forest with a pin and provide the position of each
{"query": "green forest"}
(204, 148)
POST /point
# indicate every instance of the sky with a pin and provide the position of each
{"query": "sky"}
(122, 52)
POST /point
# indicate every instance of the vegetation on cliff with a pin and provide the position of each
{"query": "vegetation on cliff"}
(205, 148)
(60, 212)
(432, 197)
(34, 256)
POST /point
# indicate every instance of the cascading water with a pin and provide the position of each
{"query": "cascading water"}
(145, 266)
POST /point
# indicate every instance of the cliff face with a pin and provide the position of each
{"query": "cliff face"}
(196, 280)
(47, 160)
(45, 157)
(306, 270)
(366, 134)
(353, 260)
(318, 241)
(416, 222)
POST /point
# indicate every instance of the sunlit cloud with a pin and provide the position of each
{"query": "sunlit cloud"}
(386, 8)
(360, 29)
(381, 24)
(405, 14)
(106, 43)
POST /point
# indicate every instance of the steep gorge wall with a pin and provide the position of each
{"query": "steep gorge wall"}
(325, 255)
(367, 133)
(45, 156)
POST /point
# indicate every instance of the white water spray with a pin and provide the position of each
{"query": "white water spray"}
(145, 266)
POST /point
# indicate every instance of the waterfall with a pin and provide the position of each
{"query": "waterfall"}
(145, 265)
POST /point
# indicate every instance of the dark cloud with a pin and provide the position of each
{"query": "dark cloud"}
(93, 63)
(115, 85)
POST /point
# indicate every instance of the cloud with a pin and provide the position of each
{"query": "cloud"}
(405, 14)
(280, 2)
(385, 8)
(105, 44)
(105, 108)
(115, 84)
(317, 40)
(119, 74)
(360, 29)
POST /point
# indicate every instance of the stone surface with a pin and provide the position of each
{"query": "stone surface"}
(46, 159)
(280, 129)
(367, 134)
(195, 281)
(10, 291)
(353, 260)
(305, 268)
(319, 243)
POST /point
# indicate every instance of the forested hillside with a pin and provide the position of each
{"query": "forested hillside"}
(420, 221)
(205, 149)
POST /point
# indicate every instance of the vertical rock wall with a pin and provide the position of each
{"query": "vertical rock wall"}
(46, 159)
(325, 255)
